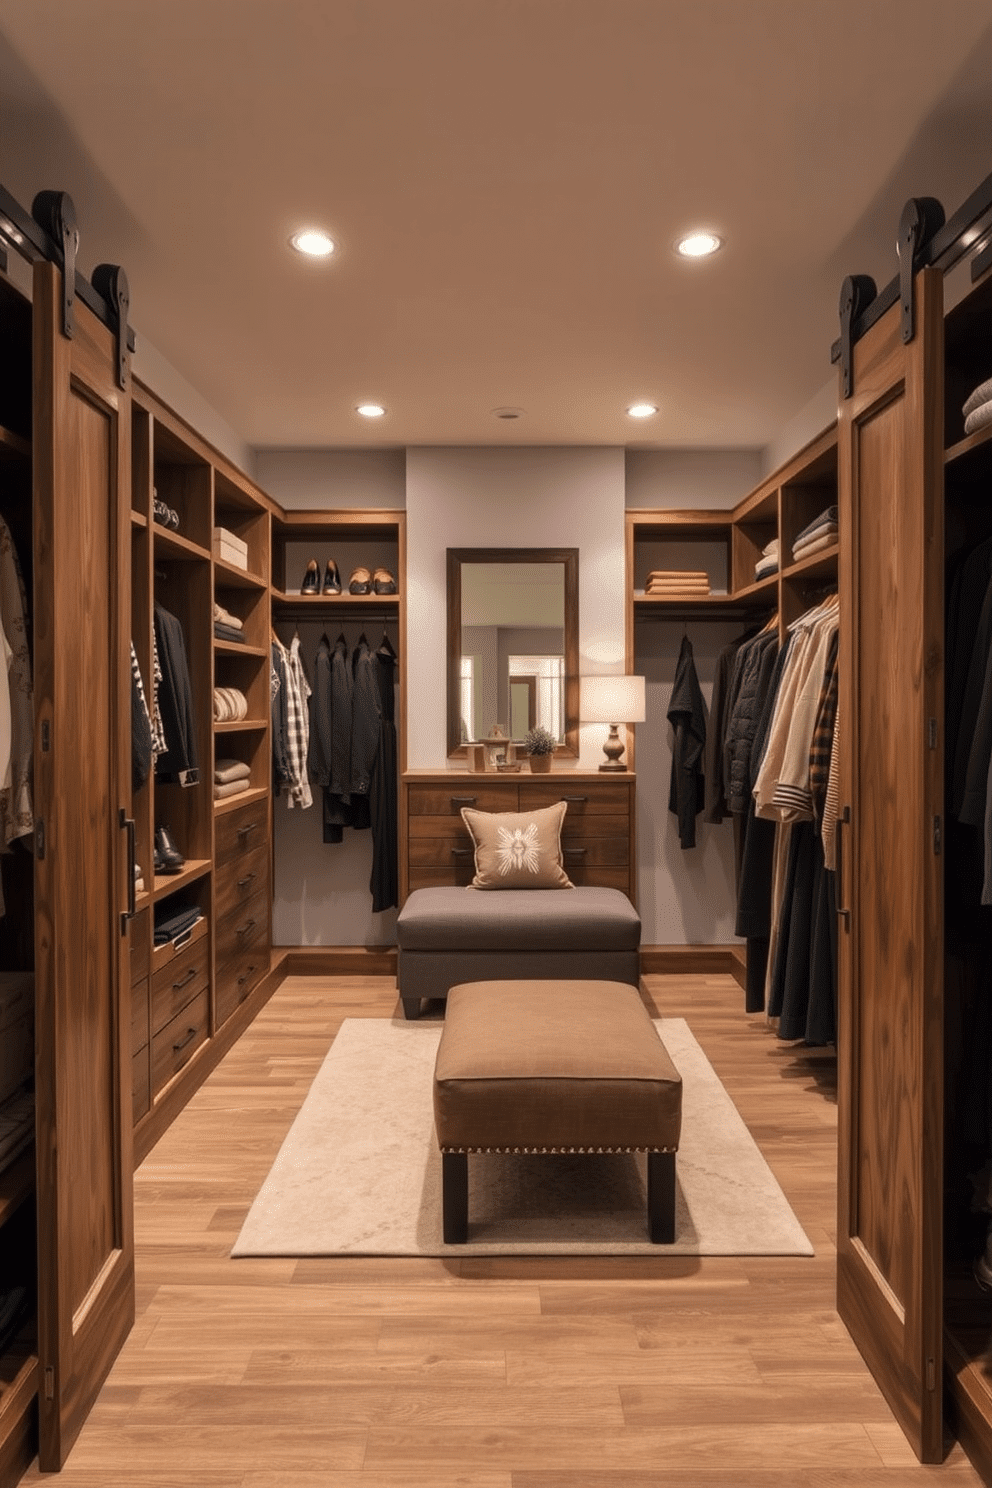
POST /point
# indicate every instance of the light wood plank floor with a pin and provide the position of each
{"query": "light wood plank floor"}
(569, 1373)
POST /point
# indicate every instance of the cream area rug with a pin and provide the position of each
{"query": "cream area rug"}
(360, 1172)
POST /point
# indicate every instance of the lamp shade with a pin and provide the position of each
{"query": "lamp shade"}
(612, 699)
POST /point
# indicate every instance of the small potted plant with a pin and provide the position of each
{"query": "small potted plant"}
(540, 746)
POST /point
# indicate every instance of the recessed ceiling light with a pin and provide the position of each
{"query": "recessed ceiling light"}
(312, 242)
(507, 413)
(698, 245)
(642, 410)
(370, 410)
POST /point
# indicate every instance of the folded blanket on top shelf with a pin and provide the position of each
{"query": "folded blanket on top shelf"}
(226, 770)
(827, 539)
(677, 581)
(826, 520)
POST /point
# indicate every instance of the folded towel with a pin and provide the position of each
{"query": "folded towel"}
(765, 568)
(770, 550)
(979, 417)
(226, 770)
(226, 618)
(982, 394)
(814, 545)
(682, 574)
(230, 705)
(826, 518)
(232, 788)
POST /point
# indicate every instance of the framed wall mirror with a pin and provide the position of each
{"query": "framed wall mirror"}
(513, 644)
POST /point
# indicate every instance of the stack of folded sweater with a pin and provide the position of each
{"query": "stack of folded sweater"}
(767, 564)
(673, 581)
(227, 627)
(230, 705)
(231, 777)
(978, 408)
(819, 534)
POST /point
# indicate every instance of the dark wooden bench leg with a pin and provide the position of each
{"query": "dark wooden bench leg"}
(454, 1196)
(411, 1007)
(661, 1197)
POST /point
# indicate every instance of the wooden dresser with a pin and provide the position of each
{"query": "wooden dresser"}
(597, 834)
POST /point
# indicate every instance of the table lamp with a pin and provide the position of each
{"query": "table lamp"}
(612, 700)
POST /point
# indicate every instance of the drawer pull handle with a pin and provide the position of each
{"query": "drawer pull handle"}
(575, 851)
(243, 979)
(178, 986)
(243, 929)
(462, 852)
(244, 882)
(251, 827)
(190, 1034)
(575, 798)
(463, 800)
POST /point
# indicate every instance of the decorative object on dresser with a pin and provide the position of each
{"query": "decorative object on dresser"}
(613, 700)
(540, 746)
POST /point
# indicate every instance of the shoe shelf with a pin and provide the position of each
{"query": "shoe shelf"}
(322, 603)
(167, 883)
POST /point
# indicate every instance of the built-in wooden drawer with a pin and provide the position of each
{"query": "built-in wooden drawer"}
(238, 833)
(242, 929)
(184, 977)
(238, 881)
(441, 877)
(141, 1083)
(140, 1029)
(175, 1044)
(236, 980)
(140, 946)
(444, 800)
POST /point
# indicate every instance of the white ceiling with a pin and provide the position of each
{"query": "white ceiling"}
(505, 179)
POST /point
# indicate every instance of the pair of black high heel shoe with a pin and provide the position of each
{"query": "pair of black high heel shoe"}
(311, 579)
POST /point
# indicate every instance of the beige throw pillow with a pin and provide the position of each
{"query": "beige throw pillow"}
(517, 849)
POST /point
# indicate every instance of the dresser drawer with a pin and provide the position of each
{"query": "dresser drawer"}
(238, 833)
(236, 980)
(237, 882)
(435, 878)
(175, 1044)
(141, 1087)
(176, 985)
(582, 800)
(445, 800)
(441, 852)
(595, 852)
(242, 929)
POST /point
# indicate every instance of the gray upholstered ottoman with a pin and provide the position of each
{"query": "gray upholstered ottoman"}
(554, 1066)
(450, 935)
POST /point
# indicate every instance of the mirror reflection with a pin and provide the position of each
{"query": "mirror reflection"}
(513, 629)
(513, 649)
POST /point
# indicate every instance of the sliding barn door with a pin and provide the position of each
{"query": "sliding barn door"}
(890, 1057)
(82, 429)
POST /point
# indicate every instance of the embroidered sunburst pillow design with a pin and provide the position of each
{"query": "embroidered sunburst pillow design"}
(517, 849)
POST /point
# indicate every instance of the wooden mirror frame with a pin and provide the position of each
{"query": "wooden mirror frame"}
(569, 558)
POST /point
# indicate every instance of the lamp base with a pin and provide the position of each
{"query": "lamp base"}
(613, 749)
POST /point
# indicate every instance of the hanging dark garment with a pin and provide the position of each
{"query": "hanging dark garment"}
(337, 807)
(383, 803)
(365, 717)
(788, 997)
(277, 711)
(142, 744)
(687, 715)
(321, 746)
(754, 889)
(175, 703)
(716, 807)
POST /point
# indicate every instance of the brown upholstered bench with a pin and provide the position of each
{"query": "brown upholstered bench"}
(554, 1066)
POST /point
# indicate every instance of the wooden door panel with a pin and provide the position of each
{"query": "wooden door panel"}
(890, 1075)
(83, 1053)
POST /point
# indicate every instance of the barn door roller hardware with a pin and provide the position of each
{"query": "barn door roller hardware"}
(921, 221)
(54, 211)
(856, 294)
(110, 281)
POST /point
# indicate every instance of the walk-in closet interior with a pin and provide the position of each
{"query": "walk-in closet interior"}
(253, 681)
